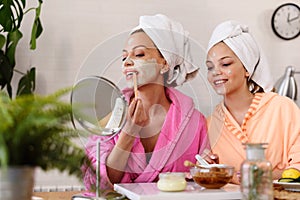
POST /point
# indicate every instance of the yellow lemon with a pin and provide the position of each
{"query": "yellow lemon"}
(290, 173)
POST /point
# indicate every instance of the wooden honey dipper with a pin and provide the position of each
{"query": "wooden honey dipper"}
(188, 163)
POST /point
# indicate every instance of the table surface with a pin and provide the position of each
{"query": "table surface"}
(279, 194)
(65, 195)
(147, 191)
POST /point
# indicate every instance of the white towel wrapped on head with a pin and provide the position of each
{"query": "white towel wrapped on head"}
(173, 43)
(237, 37)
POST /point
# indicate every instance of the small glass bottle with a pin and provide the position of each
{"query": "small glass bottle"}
(256, 174)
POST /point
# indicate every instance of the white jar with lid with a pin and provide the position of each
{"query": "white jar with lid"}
(171, 182)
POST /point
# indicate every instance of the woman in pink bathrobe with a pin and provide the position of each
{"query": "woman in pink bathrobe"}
(163, 128)
(249, 112)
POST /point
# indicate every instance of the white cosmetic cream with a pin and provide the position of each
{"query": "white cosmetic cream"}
(171, 182)
(146, 71)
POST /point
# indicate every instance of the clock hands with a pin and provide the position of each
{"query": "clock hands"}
(292, 19)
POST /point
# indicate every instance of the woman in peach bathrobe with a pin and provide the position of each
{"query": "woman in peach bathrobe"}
(163, 127)
(249, 112)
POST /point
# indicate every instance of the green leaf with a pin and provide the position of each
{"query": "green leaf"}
(3, 152)
(6, 19)
(13, 40)
(5, 70)
(6, 73)
(18, 11)
(27, 83)
(2, 41)
(6, 122)
(11, 14)
(37, 28)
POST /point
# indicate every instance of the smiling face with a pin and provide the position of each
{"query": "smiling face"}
(140, 56)
(225, 73)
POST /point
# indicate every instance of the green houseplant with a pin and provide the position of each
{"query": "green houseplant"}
(36, 131)
(12, 13)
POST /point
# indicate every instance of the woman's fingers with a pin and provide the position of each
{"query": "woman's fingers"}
(136, 117)
(140, 117)
(214, 158)
(132, 107)
(210, 157)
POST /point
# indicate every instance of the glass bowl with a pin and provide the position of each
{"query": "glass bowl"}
(212, 177)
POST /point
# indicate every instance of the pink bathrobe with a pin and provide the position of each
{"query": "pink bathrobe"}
(271, 119)
(183, 135)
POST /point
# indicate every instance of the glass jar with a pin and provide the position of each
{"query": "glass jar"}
(171, 182)
(256, 174)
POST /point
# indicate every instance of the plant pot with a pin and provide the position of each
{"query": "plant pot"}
(16, 183)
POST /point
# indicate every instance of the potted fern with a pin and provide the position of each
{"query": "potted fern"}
(35, 131)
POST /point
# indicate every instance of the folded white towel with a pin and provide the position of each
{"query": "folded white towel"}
(237, 37)
(173, 43)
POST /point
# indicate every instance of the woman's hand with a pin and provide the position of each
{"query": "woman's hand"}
(213, 158)
(210, 157)
(236, 179)
(136, 117)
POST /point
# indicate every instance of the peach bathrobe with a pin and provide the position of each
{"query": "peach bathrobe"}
(272, 119)
(183, 135)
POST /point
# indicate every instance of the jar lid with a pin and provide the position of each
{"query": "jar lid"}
(256, 145)
(171, 175)
(255, 151)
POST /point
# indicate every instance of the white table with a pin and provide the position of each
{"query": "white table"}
(147, 191)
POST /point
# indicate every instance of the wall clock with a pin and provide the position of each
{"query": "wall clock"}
(286, 21)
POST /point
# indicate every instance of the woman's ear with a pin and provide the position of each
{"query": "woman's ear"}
(165, 67)
(247, 74)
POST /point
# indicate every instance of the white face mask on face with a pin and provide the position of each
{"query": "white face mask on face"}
(146, 71)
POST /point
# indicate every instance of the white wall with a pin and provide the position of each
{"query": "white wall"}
(73, 28)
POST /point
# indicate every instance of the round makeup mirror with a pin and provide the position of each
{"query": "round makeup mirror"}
(98, 106)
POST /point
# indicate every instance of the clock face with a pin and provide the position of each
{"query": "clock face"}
(286, 21)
